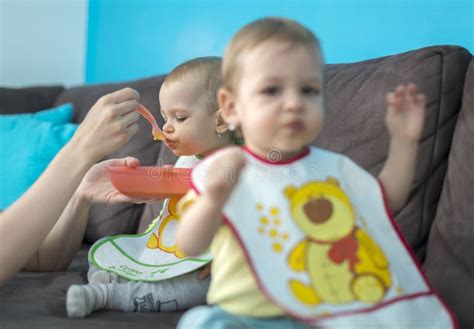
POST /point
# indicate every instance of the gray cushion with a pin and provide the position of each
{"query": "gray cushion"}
(38, 301)
(356, 121)
(22, 100)
(449, 261)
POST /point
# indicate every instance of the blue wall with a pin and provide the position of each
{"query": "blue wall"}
(130, 39)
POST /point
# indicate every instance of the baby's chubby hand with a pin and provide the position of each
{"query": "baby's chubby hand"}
(405, 113)
(223, 172)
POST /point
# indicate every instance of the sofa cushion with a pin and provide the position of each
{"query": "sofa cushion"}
(355, 122)
(38, 301)
(449, 260)
(22, 100)
(107, 220)
(30, 141)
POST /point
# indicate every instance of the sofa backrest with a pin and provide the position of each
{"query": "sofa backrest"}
(355, 123)
(449, 262)
(24, 100)
(354, 126)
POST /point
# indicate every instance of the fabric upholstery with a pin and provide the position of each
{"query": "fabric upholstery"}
(449, 262)
(38, 301)
(355, 122)
(22, 100)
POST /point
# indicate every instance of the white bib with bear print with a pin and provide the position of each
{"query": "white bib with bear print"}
(323, 246)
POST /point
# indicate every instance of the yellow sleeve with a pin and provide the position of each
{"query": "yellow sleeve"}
(186, 201)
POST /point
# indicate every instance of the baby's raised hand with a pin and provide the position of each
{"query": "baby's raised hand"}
(223, 172)
(406, 113)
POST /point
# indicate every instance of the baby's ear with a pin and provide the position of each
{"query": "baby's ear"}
(227, 107)
(221, 126)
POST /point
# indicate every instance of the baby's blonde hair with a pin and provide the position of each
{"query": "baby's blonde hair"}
(265, 29)
(209, 71)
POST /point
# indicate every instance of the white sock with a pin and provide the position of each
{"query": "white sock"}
(85, 299)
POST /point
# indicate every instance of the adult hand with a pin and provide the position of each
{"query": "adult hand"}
(96, 186)
(109, 125)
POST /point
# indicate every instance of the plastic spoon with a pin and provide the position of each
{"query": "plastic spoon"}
(156, 131)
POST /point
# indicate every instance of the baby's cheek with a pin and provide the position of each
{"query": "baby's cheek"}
(315, 123)
(264, 125)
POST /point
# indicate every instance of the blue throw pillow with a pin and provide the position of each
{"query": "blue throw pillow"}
(28, 142)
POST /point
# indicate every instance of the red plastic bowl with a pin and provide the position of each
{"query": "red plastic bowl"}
(150, 182)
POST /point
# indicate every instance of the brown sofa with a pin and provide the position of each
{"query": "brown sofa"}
(437, 221)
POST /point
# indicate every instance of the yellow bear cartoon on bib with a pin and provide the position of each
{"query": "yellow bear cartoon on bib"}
(342, 261)
(156, 239)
